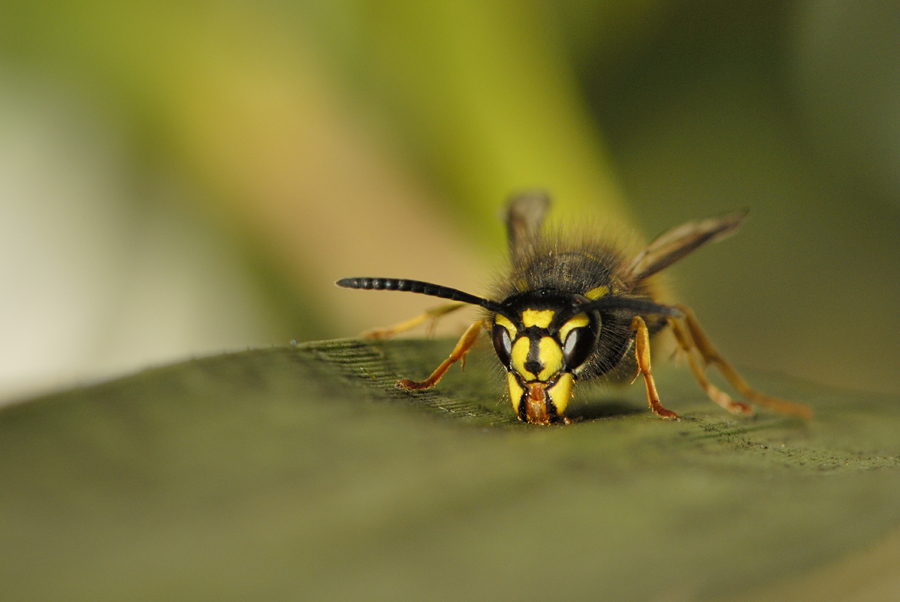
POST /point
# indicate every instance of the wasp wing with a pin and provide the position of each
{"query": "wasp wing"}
(672, 245)
(524, 217)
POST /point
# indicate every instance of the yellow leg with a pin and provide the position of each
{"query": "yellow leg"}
(642, 354)
(431, 316)
(687, 346)
(693, 338)
(459, 353)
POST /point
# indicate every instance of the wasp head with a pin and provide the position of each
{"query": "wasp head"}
(542, 339)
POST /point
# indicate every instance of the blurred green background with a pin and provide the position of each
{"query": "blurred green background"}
(182, 178)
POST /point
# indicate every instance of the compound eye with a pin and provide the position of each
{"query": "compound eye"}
(502, 343)
(578, 346)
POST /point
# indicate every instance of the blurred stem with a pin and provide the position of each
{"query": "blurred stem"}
(485, 91)
(241, 96)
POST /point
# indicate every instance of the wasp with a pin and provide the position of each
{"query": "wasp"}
(576, 309)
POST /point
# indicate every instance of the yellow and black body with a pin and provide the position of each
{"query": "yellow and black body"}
(574, 310)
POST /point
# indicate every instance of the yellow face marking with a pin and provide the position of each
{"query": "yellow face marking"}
(515, 391)
(561, 392)
(579, 321)
(540, 318)
(519, 356)
(551, 356)
(596, 293)
(505, 323)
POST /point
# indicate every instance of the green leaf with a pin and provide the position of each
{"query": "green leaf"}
(301, 473)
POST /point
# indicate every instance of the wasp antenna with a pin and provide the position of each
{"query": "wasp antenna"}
(417, 286)
(638, 306)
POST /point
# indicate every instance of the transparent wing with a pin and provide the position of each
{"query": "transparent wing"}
(672, 245)
(524, 216)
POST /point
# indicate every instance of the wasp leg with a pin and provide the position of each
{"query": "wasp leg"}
(642, 355)
(693, 338)
(687, 346)
(459, 353)
(432, 316)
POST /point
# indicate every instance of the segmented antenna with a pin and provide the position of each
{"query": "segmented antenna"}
(638, 306)
(417, 286)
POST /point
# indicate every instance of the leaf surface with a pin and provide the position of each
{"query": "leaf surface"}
(302, 473)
